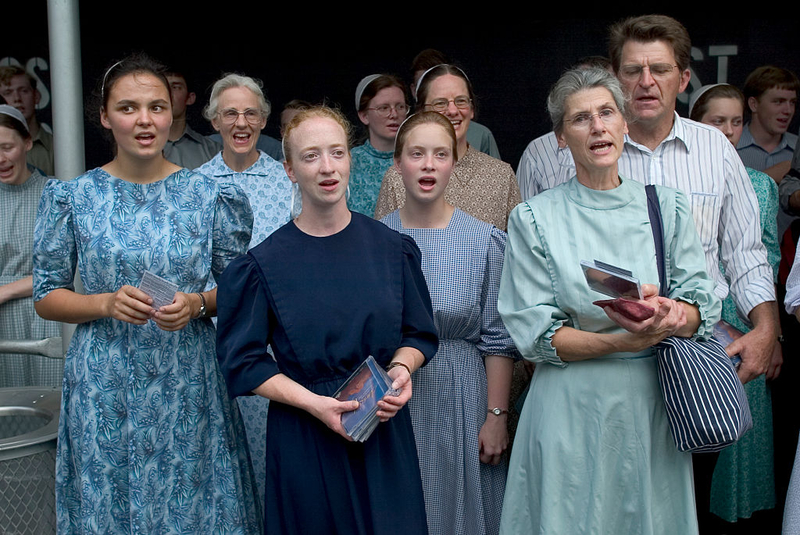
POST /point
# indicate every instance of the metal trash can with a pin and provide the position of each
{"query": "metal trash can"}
(28, 433)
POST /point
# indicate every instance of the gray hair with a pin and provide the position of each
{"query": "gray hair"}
(576, 80)
(235, 80)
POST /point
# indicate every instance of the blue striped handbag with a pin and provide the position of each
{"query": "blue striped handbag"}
(706, 403)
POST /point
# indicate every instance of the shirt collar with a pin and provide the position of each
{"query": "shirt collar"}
(678, 132)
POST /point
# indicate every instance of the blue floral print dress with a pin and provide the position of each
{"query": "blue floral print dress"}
(148, 441)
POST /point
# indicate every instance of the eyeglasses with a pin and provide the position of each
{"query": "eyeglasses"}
(230, 116)
(657, 70)
(584, 120)
(441, 104)
(385, 110)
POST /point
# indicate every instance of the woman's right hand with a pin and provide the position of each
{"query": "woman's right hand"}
(669, 317)
(130, 304)
(329, 411)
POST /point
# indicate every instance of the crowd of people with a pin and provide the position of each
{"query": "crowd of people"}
(293, 261)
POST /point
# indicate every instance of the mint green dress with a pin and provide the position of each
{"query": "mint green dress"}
(744, 477)
(593, 453)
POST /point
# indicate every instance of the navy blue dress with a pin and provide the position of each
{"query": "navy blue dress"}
(324, 304)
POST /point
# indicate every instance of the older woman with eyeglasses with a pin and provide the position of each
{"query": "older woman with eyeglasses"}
(238, 110)
(593, 451)
(382, 107)
(484, 187)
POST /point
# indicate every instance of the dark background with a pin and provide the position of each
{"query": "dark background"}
(317, 53)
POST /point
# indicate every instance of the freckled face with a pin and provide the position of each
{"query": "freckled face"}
(318, 160)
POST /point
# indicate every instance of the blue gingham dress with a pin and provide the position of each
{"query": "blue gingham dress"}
(462, 265)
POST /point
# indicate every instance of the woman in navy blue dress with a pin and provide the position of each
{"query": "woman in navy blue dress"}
(326, 291)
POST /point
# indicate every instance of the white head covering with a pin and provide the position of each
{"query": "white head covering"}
(697, 94)
(362, 85)
(11, 111)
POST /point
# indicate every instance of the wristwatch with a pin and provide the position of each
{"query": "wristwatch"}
(497, 411)
(202, 312)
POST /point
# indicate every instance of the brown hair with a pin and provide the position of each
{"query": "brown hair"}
(381, 82)
(420, 118)
(646, 29)
(768, 77)
(434, 73)
(7, 72)
(13, 123)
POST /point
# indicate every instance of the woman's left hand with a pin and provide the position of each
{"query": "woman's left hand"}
(389, 405)
(493, 439)
(175, 316)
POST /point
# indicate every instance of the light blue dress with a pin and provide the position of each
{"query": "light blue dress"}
(367, 167)
(593, 451)
(462, 265)
(148, 441)
(270, 193)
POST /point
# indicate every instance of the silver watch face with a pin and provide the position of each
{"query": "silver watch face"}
(496, 411)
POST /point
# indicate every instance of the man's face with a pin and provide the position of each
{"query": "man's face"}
(652, 79)
(181, 97)
(774, 110)
(19, 93)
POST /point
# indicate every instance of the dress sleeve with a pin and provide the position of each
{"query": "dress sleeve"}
(391, 195)
(494, 339)
(233, 226)
(688, 276)
(526, 299)
(54, 247)
(244, 325)
(418, 329)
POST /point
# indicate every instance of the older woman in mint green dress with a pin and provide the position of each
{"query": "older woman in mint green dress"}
(593, 451)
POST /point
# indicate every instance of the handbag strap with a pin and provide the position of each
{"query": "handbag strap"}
(654, 212)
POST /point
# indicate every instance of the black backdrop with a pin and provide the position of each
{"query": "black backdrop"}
(322, 52)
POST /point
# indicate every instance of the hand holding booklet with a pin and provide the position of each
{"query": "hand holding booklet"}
(159, 289)
(621, 285)
(367, 385)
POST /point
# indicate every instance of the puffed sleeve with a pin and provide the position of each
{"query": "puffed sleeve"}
(233, 226)
(494, 339)
(244, 324)
(391, 195)
(54, 247)
(688, 278)
(526, 300)
(418, 329)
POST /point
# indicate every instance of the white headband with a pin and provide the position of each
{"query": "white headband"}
(11, 111)
(362, 85)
